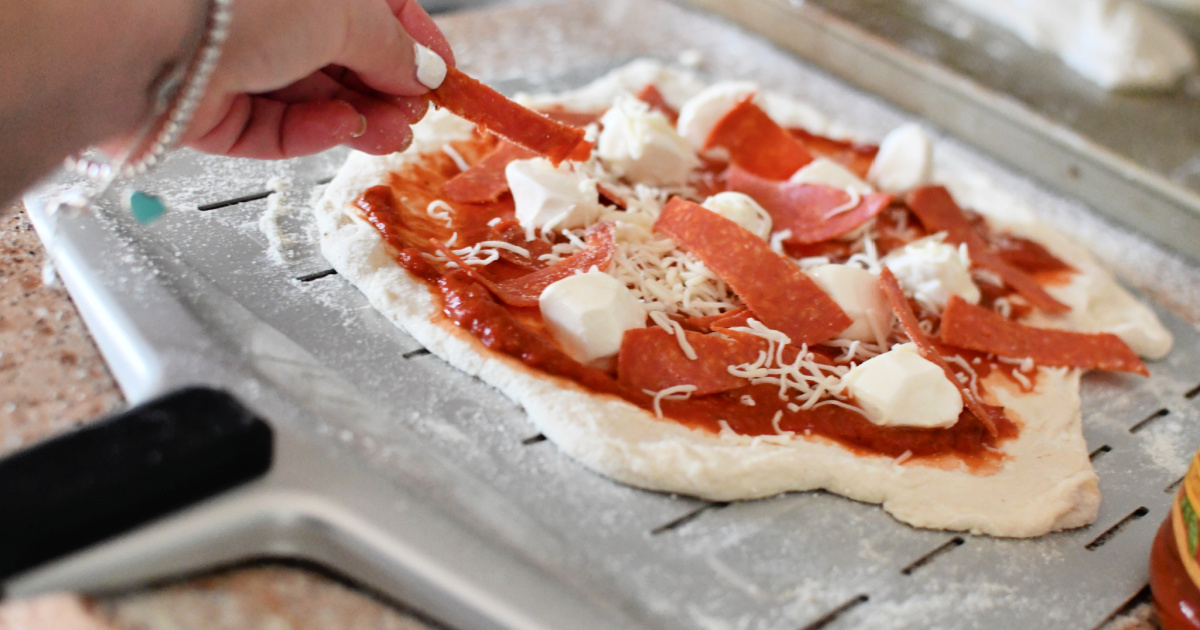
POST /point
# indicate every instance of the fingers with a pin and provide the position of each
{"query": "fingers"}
(383, 112)
(311, 115)
(387, 125)
(366, 93)
(263, 128)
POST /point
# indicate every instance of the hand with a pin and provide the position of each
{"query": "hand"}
(300, 76)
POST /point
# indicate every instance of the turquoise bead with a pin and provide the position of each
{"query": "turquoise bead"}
(145, 208)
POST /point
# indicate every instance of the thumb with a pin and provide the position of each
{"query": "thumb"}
(381, 48)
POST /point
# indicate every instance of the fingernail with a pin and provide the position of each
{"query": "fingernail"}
(431, 68)
(362, 127)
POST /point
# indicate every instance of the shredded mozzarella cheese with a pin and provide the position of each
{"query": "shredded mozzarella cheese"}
(456, 156)
(673, 327)
(803, 382)
(970, 378)
(775, 425)
(440, 210)
(675, 392)
(777, 239)
(855, 199)
(1022, 379)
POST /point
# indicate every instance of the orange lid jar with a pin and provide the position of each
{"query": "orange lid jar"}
(1175, 557)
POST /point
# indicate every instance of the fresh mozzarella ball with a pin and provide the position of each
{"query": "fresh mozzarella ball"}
(904, 160)
(588, 313)
(826, 172)
(431, 68)
(701, 113)
(551, 197)
(641, 145)
(743, 210)
(931, 270)
(900, 388)
(858, 293)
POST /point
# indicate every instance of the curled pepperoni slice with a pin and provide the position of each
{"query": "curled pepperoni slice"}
(965, 325)
(990, 416)
(813, 213)
(739, 316)
(520, 125)
(855, 157)
(485, 181)
(707, 322)
(758, 144)
(652, 359)
(775, 289)
(938, 212)
(525, 290)
(652, 97)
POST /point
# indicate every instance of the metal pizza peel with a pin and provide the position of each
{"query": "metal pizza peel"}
(386, 465)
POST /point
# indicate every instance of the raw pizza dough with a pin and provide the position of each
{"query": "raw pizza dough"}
(1046, 482)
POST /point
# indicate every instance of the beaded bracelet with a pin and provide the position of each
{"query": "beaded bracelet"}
(175, 101)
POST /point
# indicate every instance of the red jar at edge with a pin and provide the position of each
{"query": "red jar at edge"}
(1175, 558)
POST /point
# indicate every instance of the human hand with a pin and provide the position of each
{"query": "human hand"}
(300, 76)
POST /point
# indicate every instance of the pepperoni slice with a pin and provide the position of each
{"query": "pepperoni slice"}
(652, 97)
(491, 110)
(1026, 255)
(734, 316)
(758, 144)
(511, 232)
(989, 415)
(570, 116)
(607, 195)
(471, 308)
(857, 158)
(462, 265)
(652, 359)
(790, 351)
(733, 319)
(485, 181)
(524, 291)
(813, 213)
(780, 295)
(966, 325)
(938, 212)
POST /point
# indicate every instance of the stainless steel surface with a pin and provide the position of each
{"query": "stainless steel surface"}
(433, 488)
(1133, 157)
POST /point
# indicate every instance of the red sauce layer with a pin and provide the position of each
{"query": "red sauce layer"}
(398, 210)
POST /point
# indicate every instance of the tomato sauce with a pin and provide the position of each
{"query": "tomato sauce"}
(398, 210)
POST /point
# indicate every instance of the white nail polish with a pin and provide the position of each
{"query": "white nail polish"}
(431, 68)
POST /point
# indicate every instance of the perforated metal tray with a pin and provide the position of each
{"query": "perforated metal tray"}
(433, 488)
(1134, 157)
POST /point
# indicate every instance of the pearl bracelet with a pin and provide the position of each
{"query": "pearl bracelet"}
(175, 100)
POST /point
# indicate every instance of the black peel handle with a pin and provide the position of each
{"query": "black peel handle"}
(113, 475)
